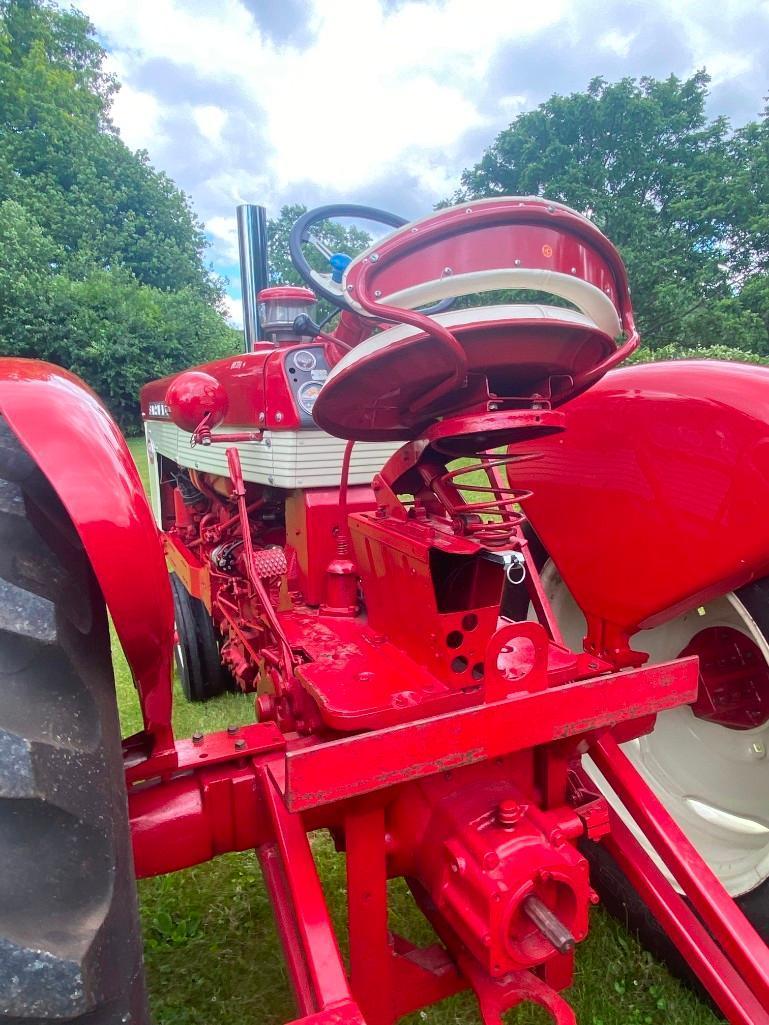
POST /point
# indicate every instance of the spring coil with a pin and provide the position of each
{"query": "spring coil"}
(492, 522)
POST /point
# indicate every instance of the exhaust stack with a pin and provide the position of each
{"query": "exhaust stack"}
(254, 276)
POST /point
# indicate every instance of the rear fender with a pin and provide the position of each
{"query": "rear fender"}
(655, 498)
(71, 437)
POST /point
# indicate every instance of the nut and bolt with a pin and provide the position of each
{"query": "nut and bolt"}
(240, 743)
(197, 737)
(232, 728)
(758, 749)
(509, 813)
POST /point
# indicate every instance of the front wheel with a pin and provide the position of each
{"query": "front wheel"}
(196, 652)
(708, 763)
(70, 945)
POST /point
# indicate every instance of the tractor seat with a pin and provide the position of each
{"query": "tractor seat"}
(518, 347)
(400, 380)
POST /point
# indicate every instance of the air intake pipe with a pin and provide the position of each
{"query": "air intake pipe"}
(254, 275)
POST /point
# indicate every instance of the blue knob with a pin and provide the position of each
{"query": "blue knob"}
(339, 263)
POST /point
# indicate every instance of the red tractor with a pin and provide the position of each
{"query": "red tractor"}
(504, 610)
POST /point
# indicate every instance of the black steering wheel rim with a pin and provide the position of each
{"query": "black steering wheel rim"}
(300, 234)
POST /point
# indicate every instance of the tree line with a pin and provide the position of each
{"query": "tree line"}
(103, 260)
(683, 197)
(102, 265)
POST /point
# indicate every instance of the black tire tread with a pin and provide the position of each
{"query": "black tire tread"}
(202, 675)
(70, 944)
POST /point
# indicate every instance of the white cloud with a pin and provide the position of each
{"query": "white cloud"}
(617, 42)
(224, 232)
(372, 96)
(211, 122)
(404, 84)
(234, 311)
(138, 115)
(723, 67)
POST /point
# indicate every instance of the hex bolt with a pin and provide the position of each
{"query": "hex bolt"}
(551, 927)
(240, 743)
(232, 728)
(197, 737)
(509, 813)
(758, 749)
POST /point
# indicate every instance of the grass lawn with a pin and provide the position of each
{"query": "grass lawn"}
(213, 957)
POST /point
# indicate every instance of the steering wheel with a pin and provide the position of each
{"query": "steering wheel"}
(329, 285)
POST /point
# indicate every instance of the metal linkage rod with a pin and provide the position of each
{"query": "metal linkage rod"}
(718, 911)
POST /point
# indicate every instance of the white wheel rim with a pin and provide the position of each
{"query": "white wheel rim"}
(712, 779)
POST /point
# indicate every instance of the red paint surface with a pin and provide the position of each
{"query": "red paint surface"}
(72, 438)
(436, 740)
(653, 499)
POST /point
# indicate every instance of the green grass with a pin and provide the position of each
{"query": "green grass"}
(212, 955)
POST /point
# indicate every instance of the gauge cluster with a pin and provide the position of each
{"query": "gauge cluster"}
(306, 370)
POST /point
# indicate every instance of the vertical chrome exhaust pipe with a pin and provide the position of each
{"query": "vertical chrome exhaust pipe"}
(254, 276)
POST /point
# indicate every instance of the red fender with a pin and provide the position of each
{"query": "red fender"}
(69, 434)
(655, 499)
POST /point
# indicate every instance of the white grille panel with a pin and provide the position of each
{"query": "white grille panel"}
(285, 459)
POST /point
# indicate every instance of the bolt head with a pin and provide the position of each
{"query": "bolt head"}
(758, 749)
(240, 743)
(197, 737)
(232, 728)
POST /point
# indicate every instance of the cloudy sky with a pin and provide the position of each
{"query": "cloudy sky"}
(384, 102)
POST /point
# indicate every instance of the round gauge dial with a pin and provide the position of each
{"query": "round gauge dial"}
(304, 360)
(307, 395)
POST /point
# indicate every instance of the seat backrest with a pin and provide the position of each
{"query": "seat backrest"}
(506, 243)
(502, 243)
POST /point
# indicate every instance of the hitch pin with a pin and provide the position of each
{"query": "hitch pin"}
(513, 562)
(552, 928)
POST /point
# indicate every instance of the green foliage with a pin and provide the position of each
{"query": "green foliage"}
(101, 256)
(685, 200)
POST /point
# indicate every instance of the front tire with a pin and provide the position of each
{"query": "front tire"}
(198, 664)
(70, 944)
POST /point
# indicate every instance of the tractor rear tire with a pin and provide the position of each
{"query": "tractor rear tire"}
(70, 943)
(616, 893)
(198, 664)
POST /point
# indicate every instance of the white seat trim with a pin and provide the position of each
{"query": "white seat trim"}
(589, 299)
(474, 315)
